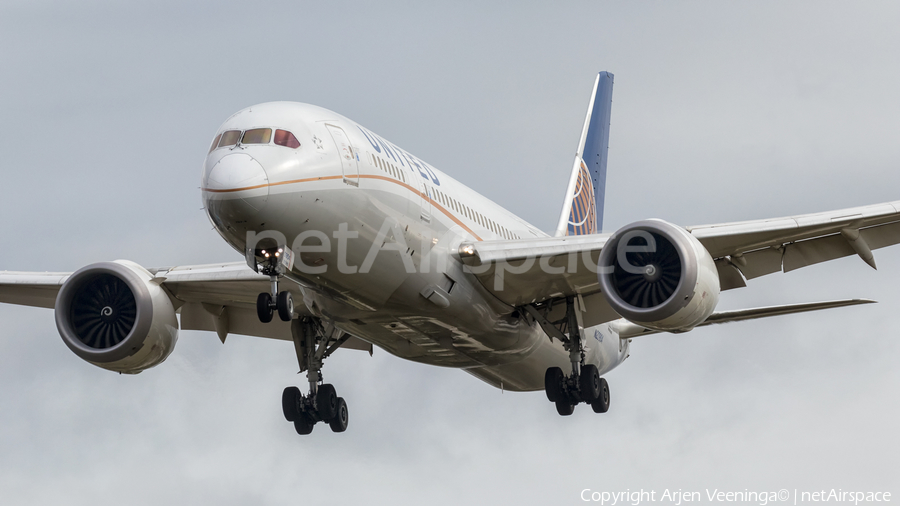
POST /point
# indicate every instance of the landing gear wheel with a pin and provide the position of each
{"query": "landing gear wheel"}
(326, 402)
(264, 307)
(341, 418)
(601, 405)
(303, 425)
(564, 408)
(589, 383)
(553, 381)
(289, 402)
(285, 305)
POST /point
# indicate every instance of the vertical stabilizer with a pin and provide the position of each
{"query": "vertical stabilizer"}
(582, 211)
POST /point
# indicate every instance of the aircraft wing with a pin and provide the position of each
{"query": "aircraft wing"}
(36, 289)
(757, 248)
(218, 297)
(628, 330)
(536, 270)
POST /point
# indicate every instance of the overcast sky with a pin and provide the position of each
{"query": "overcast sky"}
(722, 112)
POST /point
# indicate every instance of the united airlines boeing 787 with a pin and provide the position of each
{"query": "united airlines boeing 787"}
(353, 242)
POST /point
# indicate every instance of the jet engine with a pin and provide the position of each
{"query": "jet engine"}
(659, 276)
(113, 315)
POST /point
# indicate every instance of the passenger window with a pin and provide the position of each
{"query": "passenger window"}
(214, 144)
(229, 138)
(257, 136)
(286, 139)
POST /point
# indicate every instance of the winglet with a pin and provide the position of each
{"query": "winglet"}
(582, 211)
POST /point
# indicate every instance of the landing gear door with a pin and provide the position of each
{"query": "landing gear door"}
(349, 160)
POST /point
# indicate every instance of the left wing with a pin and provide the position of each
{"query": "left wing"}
(628, 330)
(757, 248)
(537, 270)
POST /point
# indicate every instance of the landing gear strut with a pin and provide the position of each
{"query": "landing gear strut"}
(584, 384)
(314, 342)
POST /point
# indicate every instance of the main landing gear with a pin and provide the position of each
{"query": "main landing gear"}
(584, 384)
(567, 391)
(314, 342)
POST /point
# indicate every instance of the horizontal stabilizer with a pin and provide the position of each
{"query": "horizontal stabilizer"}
(628, 330)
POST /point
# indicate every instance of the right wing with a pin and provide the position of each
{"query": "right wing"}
(219, 298)
(36, 289)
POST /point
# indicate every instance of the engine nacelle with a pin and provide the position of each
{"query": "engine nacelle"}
(659, 276)
(112, 315)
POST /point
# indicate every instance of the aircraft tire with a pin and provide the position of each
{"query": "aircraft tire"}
(553, 380)
(601, 405)
(341, 417)
(564, 408)
(264, 307)
(303, 425)
(327, 402)
(289, 403)
(285, 305)
(589, 383)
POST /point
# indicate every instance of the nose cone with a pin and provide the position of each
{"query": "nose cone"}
(236, 173)
(235, 190)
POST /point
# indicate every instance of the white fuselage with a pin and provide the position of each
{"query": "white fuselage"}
(376, 232)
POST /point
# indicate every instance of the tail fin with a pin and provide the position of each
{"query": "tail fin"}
(582, 211)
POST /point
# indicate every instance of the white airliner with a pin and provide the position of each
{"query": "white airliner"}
(353, 242)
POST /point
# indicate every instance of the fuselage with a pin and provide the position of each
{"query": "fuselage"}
(375, 231)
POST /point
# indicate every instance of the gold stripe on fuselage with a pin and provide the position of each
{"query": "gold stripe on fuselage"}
(434, 203)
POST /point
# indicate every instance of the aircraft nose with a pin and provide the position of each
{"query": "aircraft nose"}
(237, 172)
(235, 189)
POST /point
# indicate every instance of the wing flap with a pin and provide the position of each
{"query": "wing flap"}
(803, 253)
(628, 330)
(814, 251)
(759, 263)
(729, 275)
(230, 319)
(735, 238)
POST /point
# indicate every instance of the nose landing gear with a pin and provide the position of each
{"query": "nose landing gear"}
(273, 261)
(267, 304)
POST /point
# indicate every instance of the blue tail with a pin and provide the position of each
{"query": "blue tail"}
(582, 211)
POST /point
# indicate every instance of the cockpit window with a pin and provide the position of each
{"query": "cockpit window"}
(257, 136)
(287, 139)
(215, 143)
(229, 138)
